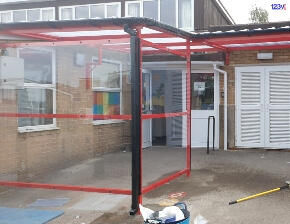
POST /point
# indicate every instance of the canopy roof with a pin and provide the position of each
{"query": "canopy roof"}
(110, 32)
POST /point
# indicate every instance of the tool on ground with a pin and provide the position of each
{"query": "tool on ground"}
(261, 194)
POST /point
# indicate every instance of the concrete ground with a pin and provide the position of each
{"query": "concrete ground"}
(216, 179)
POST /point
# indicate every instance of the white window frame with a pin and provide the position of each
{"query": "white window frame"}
(105, 11)
(43, 86)
(26, 10)
(47, 9)
(75, 8)
(20, 11)
(66, 7)
(113, 3)
(31, 10)
(159, 11)
(11, 16)
(89, 5)
(104, 89)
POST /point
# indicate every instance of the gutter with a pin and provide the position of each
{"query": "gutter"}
(225, 105)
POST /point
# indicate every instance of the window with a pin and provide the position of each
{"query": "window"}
(143, 9)
(38, 95)
(33, 15)
(107, 89)
(185, 13)
(150, 9)
(104, 10)
(98, 11)
(47, 14)
(19, 16)
(178, 13)
(27, 15)
(134, 9)
(202, 95)
(167, 12)
(112, 10)
(6, 17)
(66, 13)
(82, 12)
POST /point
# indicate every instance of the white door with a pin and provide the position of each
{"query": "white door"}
(277, 111)
(147, 108)
(263, 106)
(204, 103)
(250, 107)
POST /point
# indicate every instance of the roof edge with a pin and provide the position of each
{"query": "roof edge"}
(59, 25)
(224, 11)
(249, 26)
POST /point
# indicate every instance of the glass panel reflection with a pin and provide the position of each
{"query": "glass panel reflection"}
(202, 94)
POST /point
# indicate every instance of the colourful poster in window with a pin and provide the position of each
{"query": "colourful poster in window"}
(106, 103)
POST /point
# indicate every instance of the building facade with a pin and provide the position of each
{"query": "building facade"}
(185, 14)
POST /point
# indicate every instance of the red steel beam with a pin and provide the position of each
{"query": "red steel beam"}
(161, 47)
(67, 116)
(167, 32)
(164, 181)
(216, 46)
(249, 39)
(102, 37)
(66, 187)
(38, 36)
(253, 48)
(173, 44)
(70, 43)
(154, 52)
(37, 30)
(156, 35)
(220, 41)
(227, 57)
(150, 116)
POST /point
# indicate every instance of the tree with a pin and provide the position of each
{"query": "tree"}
(258, 15)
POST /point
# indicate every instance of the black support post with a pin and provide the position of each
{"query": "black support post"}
(136, 118)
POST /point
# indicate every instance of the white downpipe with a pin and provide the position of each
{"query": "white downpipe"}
(225, 105)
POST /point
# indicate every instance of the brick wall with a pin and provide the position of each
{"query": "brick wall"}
(28, 155)
(245, 58)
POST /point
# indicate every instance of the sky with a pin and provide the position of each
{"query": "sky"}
(239, 9)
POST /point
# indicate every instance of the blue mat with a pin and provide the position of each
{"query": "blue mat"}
(53, 202)
(27, 216)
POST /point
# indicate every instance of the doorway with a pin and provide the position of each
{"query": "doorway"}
(147, 108)
(168, 96)
(204, 103)
(262, 106)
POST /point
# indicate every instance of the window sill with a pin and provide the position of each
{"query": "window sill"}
(35, 129)
(96, 123)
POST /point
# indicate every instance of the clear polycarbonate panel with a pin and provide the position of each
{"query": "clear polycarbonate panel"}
(164, 152)
(164, 123)
(65, 114)
(168, 81)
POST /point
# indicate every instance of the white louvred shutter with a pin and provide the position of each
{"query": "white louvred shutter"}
(278, 107)
(249, 107)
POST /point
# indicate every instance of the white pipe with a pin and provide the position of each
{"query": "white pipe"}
(225, 104)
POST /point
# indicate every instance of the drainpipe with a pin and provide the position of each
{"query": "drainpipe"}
(225, 105)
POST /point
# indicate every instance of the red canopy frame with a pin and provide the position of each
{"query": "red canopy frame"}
(115, 35)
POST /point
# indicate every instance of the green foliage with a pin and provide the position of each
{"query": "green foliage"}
(258, 15)
(160, 90)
